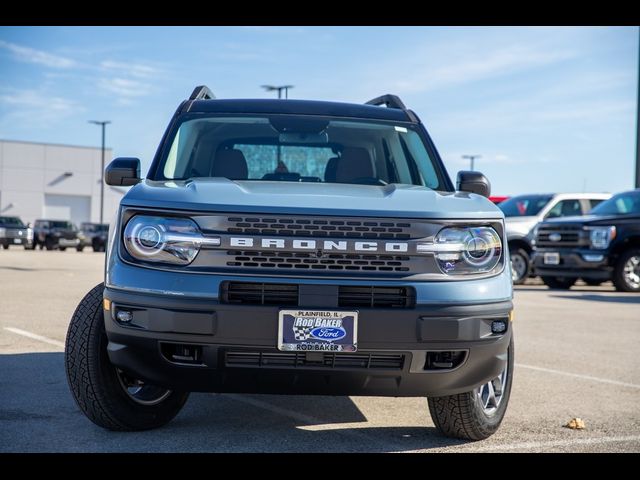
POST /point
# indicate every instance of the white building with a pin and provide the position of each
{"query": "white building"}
(59, 182)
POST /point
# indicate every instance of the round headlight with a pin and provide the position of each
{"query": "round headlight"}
(162, 239)
(463, 251)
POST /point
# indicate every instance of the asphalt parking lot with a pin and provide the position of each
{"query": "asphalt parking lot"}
(576, 356)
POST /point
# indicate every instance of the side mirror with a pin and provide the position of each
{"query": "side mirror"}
(123, 172)
(473, 182)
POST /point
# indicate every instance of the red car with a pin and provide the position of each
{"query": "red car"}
(497, 200)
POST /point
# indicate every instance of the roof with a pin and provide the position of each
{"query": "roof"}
(579, 196)
(300, 107)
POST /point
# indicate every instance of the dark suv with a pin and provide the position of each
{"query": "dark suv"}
(55, 234)
(297, 247)
(93, 235)
(604, 245)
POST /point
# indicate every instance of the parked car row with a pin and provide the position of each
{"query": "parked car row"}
(523, 212)
(564, 237)
(53, 234)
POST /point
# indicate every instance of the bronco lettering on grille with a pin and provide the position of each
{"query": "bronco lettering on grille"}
(326, 245)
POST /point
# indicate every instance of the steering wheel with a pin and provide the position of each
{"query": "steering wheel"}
(368, 181)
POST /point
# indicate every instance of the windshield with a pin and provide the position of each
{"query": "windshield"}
(11, 222)
(524, 205)
(621, 204)
(95, 227)
(57, 224)
(300, 149)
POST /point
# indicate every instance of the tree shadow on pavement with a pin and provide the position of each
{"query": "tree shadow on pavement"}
(38, 414)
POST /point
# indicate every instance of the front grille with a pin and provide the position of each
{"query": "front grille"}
(15, 233)
(248, 293)
(363, 361)
(317, 227)
(380, 297)
(259, 293)
(309, 261)
(570, 236)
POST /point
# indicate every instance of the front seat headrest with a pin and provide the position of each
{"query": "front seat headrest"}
(230, 164)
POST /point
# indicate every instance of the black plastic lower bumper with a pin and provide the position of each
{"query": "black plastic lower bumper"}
(573, 264)
(233, 349)
(12, 241)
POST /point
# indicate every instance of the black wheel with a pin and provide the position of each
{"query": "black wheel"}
(558, 283)
(108, 396)
(520, 265)
(477, 414)
(49, 244)
(80, 248)
(592, 282)
(96, 248)
(6, 247)
(62, 249)
(626, 274)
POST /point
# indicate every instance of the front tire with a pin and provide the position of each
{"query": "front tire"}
(593, 282)
(80, 248)
(626, 275)
(109, 397)
(6, 247)
(477, 414)
(520, 266)
(558, 283)
(49, 244)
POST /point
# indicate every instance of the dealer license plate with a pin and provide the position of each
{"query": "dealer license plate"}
(552, 258)
(318, 331)
(17, 240)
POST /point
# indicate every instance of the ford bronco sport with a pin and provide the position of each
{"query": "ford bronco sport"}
(297, 247)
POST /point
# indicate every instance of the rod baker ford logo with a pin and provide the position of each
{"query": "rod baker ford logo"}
(318, 245)
(315, 327)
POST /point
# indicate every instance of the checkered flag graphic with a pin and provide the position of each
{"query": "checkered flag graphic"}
(301, 333)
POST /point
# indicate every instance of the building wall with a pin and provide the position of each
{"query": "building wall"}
(33, 175)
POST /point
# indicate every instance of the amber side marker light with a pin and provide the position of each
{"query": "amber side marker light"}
(106, 304)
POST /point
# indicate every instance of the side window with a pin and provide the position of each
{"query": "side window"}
(595, 201)
(565, 208)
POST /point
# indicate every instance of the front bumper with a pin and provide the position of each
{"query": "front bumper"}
(68, 242)
(15, 241)
(238, 348)
(573, 264)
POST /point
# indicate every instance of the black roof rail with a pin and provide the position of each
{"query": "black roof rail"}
(389, 101)
(202, 92)
(393, 101)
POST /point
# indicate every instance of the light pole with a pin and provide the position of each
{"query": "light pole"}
(638, 121)
(103, 124)
(472, 159)
(271, 88)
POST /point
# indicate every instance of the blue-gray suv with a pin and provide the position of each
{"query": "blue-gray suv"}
(297, 247)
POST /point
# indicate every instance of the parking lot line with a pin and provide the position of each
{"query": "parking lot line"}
(578, 375)
(35, 336)
(558, 443)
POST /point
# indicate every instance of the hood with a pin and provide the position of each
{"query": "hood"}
(12, 226)
(223, 195)
(521, 219)
(586, 219)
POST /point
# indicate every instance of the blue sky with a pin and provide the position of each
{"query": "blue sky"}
(548, 108)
